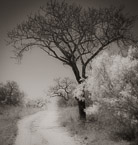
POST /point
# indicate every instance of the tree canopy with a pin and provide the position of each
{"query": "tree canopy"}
(72, 34)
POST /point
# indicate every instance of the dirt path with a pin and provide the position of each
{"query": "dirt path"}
(43, 128)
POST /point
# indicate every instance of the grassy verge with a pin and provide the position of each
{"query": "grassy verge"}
(9, 117)
(90, 133)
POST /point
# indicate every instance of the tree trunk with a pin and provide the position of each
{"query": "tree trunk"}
(81, 104)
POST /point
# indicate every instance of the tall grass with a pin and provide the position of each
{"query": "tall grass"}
(92, 132)
(69, 116)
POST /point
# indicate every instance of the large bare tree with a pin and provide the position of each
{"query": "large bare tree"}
(73, 35)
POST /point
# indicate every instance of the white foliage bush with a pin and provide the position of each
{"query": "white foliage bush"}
(113, 81)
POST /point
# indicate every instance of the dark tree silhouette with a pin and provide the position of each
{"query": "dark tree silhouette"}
(10, 94)
(73, 35)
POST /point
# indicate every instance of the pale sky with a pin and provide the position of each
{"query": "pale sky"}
(37, 70)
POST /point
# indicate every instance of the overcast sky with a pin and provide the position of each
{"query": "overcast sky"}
(37, 70)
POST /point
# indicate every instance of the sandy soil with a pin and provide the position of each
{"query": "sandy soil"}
(43, 128)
